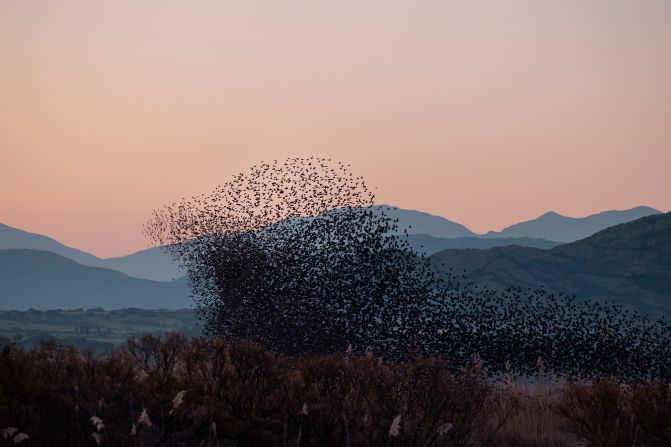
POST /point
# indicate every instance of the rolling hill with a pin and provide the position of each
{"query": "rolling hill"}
(151, 263)
(555, 227)
(154, 264)
(11, 237)
(427, 233)
(629, 263)
(418, 222)
(427, 244)
(44, 280)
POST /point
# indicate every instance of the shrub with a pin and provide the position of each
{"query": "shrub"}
(173, 391)
(607, 413)
(178, 392)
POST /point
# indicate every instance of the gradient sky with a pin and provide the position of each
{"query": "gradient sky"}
(487, 113)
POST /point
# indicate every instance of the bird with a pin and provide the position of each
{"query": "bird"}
(293, 255)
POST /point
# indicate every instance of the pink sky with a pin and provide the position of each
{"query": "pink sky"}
(487, 113)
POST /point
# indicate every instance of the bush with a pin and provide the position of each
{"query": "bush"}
(180, 392)
(607, 413)
(173, 391)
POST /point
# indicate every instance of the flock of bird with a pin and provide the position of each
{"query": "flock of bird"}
(292, 256)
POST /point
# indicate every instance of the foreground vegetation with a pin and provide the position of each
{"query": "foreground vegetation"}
(178, 392)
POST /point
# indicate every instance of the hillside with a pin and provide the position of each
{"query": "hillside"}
(555, 227)
(428, 234)
(152, 263)
(418, 222)
(629, 263)
(44, 280)
(11, 237)
(156, 265)
(429, 245)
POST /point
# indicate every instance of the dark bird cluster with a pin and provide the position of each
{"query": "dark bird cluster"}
(293, 256)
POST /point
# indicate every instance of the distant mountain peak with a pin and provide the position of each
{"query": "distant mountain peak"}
(420, 222)
(628, 263)
(551, 215)
(46, 280)
(432, 230)
(11, 237)
(556, 227)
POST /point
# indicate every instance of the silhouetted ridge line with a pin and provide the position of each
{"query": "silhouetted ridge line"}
(553, 226)
(628, 263)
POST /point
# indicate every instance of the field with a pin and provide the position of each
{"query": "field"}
(95, 328)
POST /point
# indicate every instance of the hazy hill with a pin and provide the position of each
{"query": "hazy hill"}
(152, 263)
(11, 237)
(435, 233)
(555, 227)
(156, 265)
(44, 280)
(418, 222)
(630, 263)
(428, 244)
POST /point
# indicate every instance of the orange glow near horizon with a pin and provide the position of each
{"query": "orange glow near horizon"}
(484, 114)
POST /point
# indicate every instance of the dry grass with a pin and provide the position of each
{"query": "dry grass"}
(536, 421)
(179, 392)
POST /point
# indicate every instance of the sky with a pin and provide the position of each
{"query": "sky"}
(487, 113)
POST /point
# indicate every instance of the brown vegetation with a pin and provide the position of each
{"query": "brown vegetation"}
(179, 392)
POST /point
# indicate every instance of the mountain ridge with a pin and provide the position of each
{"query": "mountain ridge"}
(428, 234)
(629, 263)
(421, 222)
(12, 237)
(45, 280)
(557, 227)
(428, 245)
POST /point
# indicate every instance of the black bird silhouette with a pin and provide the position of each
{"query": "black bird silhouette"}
(293, 255)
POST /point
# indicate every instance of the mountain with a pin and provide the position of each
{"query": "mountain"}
(427, 244)
(11, 237)
(152, 263)
(418, 222)
(629, 263)
(555, 227)
(44, 280)
(156, 265)
(435, 233)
